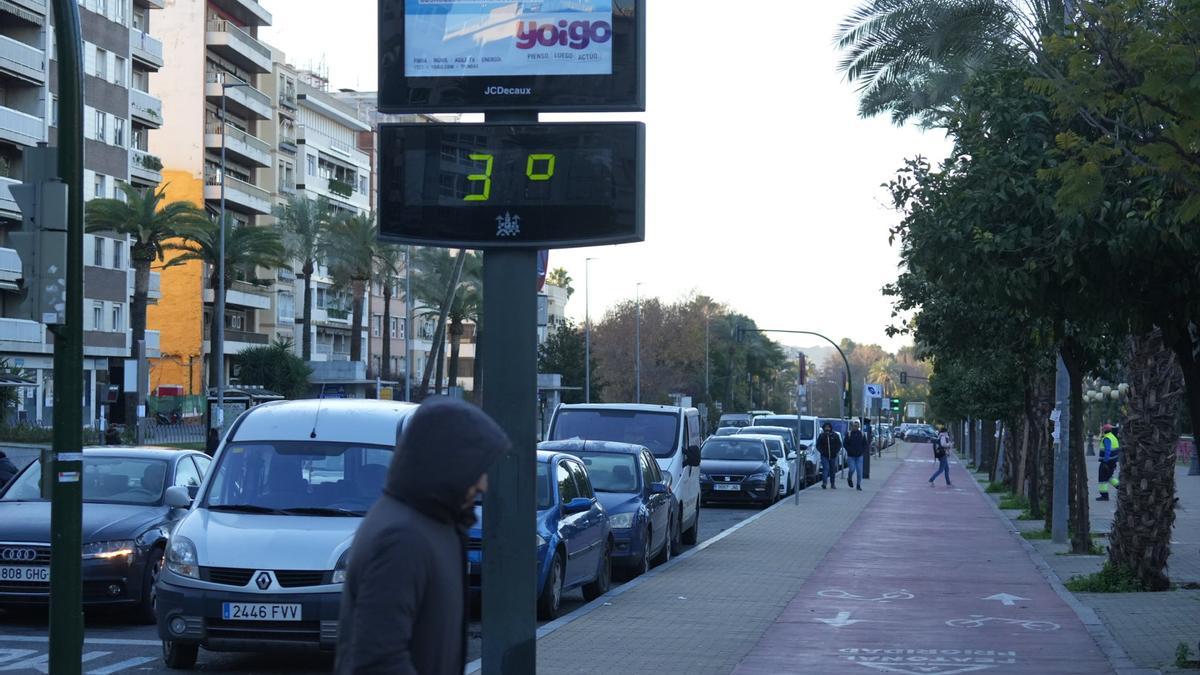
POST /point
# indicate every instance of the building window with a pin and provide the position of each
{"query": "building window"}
(321, 293)
(98, 251)
(119, 70)
(139, 18)
(101, 70)
(119, 12)
(393, 329)
(118, 321)
(362, 185)
(100, 129)
(286, 311)
(54, 111)
(118, 132)
(312, 165)
(99, 189)
(118, 255)
(376, 325)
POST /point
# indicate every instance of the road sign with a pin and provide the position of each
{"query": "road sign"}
(512, 185)
(545, 55)
(871, 393)
(915, 411)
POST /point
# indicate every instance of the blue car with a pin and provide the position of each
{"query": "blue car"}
(574, 542)
(641, 509)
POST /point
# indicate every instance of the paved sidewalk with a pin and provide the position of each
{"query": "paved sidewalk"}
(927, 581)
(703, 613)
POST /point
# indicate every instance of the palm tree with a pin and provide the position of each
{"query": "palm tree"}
(910, 58)
(302, 223)
(388, 269)
(247, 248)
(149, 223)
(435, 286)
(467, 305)
(350, 245)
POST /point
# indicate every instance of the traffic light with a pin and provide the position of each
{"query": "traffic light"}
(738, 333)
(895, 405)
(41, 243)
(903, 378)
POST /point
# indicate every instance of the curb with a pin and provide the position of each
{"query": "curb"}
(1112, 650)
(477, 664)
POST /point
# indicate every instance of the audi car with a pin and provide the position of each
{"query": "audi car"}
(126, 524)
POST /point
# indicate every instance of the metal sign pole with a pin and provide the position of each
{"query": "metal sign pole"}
(1062, 388)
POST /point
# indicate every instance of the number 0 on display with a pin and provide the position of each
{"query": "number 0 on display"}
(539, 167)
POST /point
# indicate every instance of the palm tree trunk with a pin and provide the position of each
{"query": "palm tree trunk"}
(1140, 540)
(137, 320)
(1080, 500)
(456, 333)
(385, 358)
(356, 329)
(439, 333)
(307, 337)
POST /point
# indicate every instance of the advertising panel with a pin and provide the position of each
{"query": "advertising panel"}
(485, 38)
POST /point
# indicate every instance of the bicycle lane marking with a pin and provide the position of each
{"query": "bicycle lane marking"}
(945, 547)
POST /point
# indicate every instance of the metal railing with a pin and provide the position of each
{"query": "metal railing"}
(233, 134)
(244, 89)
(222, 26)
(139, 41)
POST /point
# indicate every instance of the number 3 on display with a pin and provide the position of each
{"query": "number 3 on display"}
(544, 161)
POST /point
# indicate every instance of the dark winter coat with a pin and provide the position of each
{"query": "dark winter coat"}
(7, 469)
(404, 604)
(856, 444)
(829, 444)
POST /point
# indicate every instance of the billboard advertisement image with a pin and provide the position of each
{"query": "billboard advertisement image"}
(486, 38)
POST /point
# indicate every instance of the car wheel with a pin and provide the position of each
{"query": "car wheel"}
(603, 580)
(179, 655)
(551, 598)
(643, 563)
(692, 535)
(664, 554)
(676, 535)
(144, 612)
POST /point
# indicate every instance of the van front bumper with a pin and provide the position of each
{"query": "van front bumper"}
(195, 616)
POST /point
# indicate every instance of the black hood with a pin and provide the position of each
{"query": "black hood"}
(445, 447)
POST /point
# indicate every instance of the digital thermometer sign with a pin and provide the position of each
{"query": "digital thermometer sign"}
(512, 185)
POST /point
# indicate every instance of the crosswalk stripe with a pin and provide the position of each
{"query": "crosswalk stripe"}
(118, 667)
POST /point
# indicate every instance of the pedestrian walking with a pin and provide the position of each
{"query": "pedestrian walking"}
(1110, 460)
(942, 455)
(829, 444)
(856, 447)
(7, 469)
(404, 603)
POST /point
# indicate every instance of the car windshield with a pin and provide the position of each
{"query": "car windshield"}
(303, 478)
(611, 472)
(840, 426)
(726, 431)
(732, 450)
(808, 428)
(543, 486)
(784, 435)
(106, 480)
(657, 431)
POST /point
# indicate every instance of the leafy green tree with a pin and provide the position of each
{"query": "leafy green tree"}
(275, 367)
(303, 223)
(561, 278)
(563, 353)
(350, 246)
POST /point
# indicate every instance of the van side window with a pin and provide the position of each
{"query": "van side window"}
(693, 425)
(566, 483)
(581, 479)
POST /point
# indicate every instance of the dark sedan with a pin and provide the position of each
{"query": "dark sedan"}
(125, 526)
(738, 469)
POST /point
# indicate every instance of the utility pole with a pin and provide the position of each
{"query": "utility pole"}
(218, 329)
(637, 346)
(1062, 396)
(707, 322)
(587, 330)
(408, 327)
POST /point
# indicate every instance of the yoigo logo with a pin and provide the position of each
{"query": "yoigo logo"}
(573, 34)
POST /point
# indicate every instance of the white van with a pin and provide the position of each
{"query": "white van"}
(258, 562)
(672, 433)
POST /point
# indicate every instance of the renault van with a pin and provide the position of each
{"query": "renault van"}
(258, 562)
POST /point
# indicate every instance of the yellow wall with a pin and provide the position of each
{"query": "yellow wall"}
(179, 314)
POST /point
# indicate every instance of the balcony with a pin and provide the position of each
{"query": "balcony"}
(145, 169)
(287, 102)
(239, 145)
(22, 61)
(10, 269)
(146, 50)
(287, 142)
(238, 46)
(242, 294)
(155, 292)
(152, 344)
(248, 12)
(21, 330)
(243, 100)
(240, 196)
(145, 108)
(21, 128)
(152, 4)
(287, 186)
(8, 205)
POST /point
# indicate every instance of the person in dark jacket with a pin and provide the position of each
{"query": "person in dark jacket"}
(856, 447)
(7, 469)
(829, 444)
(404, 603)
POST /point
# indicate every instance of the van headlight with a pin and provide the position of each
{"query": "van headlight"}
(182, 558)
(339, 570)
(621, 521)
(108, 550)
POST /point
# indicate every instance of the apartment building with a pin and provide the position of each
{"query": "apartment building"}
(120, 56)
(212, 89)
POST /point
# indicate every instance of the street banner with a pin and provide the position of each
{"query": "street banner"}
(503, 38)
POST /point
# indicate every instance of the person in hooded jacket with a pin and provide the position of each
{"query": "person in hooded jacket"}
(829, 444)
(404, 603)
(857, 445)
(7, 469)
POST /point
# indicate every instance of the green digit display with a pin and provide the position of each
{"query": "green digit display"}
(533, 159)
(485, 178)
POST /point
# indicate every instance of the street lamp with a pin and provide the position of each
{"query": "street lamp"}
(408, 312)
(637, 345)
(218, 332)
(587, 330)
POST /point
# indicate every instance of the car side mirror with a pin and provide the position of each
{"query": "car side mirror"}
(577, 505)
(177, 497)
(659, 489)
(774, 461)
(691, 456)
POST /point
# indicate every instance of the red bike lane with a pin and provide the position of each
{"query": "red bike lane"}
(927, 581)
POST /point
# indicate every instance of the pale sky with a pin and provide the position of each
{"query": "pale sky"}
(763, 185)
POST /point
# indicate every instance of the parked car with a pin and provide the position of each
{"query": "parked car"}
(672, 434)
(734, 420)
(574, 540)
(789, 458)
(258, 562)
(921, 433)
(630, 486)
(726, 431)
(126, 523)
(780, 462)
(738, 469)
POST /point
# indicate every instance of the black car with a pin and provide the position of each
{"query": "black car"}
(125, 526)
(737, 469)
